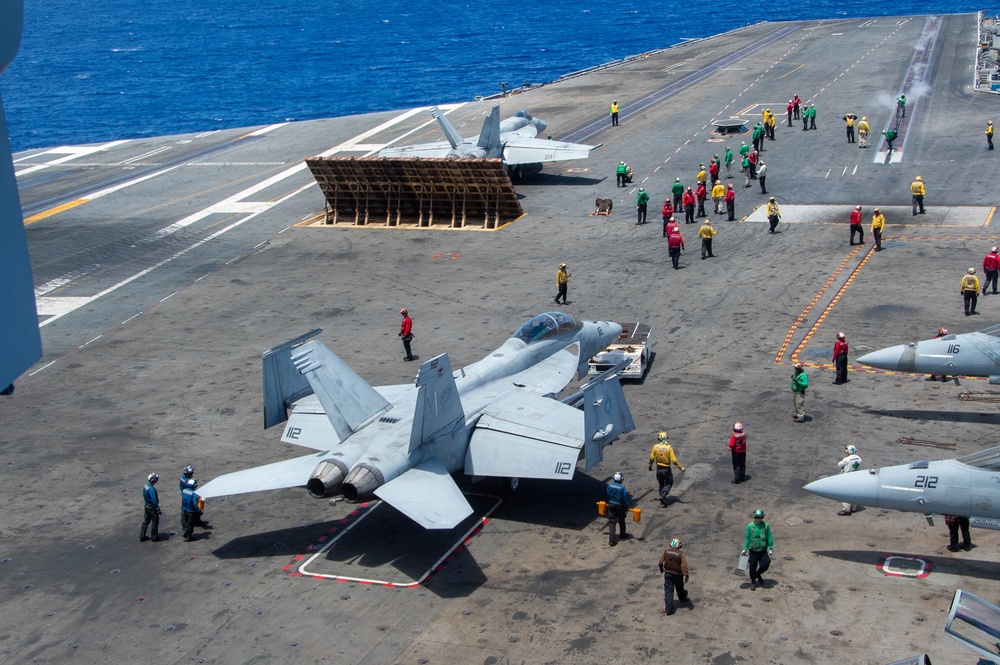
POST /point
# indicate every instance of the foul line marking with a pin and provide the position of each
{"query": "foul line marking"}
(463, 540)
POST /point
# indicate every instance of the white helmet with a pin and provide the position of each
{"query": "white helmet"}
(152, 477)
(841, 335)
(738, 427)
(972, 271)
(850, 450)
(618, 477)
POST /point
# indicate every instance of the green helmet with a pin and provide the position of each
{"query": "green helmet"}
(758, 513)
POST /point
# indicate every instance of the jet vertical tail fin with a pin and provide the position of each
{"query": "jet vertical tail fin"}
(348, 400)
(606, 416)
(283, 383)
(438, 403)
(489, 137)
(454, 138)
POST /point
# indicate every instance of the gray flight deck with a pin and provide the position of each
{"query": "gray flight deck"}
(166, 266)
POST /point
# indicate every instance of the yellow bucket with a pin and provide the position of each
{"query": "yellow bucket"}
(636, 514)
(602, 507)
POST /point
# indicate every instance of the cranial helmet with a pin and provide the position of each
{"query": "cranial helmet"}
(676, 543)
(152, 477)
(850, 450)
(942, 331)
(758, 513)
(662, 436)
(618, 477)
(403, 311)
(972, 271)
(919, 179)
(841, 335)
(188, 470)
(995, 249)
(738, 427)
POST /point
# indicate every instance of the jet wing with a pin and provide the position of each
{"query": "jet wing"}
(552, 374)
(519, 150)
(422, 150)
(526, 436)
(428, 495)
(279, 475)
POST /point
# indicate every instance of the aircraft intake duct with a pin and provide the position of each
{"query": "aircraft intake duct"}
(363, 480)
(327, 478)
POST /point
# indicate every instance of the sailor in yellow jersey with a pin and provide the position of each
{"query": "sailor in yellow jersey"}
(663, 456)
(863, 129)
(614, 113)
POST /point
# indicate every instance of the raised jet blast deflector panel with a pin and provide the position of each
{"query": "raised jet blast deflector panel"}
(468, 194)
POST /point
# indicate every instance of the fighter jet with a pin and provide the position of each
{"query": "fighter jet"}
(493, 418)
(968, 486)
(513, 140)
(971, 354)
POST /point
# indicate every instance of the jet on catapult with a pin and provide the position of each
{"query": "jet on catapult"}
(971, 354)
(513, 140)
(493, 418)
(968, 486)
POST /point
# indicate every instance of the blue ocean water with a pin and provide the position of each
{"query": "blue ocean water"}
(89, 72)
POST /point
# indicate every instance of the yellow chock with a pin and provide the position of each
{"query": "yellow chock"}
(602, 507)
(636, 514)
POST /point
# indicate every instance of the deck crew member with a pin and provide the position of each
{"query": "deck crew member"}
(759, 544)
(991, 266)
(151, 510)
(738, 448)
(663, 456)
(773, 214)
(863, 129)
(674, 566)
(406, 333)
(856, 225)
(562, 283)
(850, 462)
(614, 113)
(878, 225)
(840, 359)
(190, 510)
(618, 506)
(800, 383)
(641, 201)
(970, 291)
(917, 187)
(706, 232)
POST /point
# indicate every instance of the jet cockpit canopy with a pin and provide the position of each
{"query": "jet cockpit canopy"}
(546, 326)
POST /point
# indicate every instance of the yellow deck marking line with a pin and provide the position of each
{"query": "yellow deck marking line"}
(856, 368)
(812, 303)
(827, 310)
(989, 217)
(791, 72)
(53, 211)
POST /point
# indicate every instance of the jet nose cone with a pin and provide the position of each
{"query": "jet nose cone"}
(859, 487)
(890, 358)
(612, 331)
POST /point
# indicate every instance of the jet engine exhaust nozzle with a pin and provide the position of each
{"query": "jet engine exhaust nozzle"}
(327, 479)
(362, 481)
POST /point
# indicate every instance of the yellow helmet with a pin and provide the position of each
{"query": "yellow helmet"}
(919, 179)
(661, 437)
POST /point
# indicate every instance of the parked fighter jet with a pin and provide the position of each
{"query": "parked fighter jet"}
(513, 140)
(493, 418)
(968, 486)
(971, 354)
